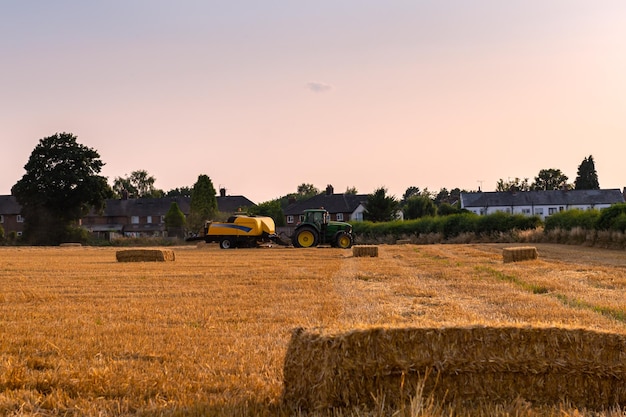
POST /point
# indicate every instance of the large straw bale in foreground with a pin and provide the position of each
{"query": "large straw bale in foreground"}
(468, 364)
(145, 255)
(519, 254)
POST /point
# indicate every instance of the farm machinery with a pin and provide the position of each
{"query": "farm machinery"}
(318, 229)
(242, 230)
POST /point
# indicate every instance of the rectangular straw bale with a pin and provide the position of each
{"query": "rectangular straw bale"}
(365, 250)
(519, 254)
(467, 364)
(145, 255)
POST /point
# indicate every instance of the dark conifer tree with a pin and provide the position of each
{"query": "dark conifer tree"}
(587, 177)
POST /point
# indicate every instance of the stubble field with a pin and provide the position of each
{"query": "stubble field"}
(82, 334)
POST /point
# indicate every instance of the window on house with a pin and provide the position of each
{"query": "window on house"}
(20, 219)
(19, 233)
(539, 211)
(1, 218)
(551, 210)
(526, 211)
(339, 217)
(134, 219)
(162, 219)
(301, 218)
(290, 219)
(561, 208)
(149, 220)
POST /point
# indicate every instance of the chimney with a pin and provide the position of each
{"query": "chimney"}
(222, 192)
(329, 190)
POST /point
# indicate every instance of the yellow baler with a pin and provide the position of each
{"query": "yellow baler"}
(241, 231)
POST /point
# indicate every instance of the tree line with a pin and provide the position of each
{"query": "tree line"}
(62, 184)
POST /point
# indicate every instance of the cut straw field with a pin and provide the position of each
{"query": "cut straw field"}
(208, 333)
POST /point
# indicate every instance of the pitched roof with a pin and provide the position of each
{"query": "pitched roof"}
(160, 206)
(334, 203)
(232, 203)
(144, 206)
(9, 205)
(541, 198)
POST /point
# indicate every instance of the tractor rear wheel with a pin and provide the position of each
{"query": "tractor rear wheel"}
(343, 241)
(305, 237)
(226, 243)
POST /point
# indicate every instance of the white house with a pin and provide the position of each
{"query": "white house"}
(539, 203)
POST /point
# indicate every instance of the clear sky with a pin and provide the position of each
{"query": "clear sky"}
(262, 96)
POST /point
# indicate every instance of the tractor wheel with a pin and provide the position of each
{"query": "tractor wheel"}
(343, 241)
(305, 238)
(226, 243)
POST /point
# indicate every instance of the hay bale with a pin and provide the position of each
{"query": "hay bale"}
(145, 255)
(519, 254)
(403, 241)
(467, 364)
(365, 250)
(70, 245)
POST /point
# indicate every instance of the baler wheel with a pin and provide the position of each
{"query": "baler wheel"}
(226, 243)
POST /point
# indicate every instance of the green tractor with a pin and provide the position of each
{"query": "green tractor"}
(318, 229)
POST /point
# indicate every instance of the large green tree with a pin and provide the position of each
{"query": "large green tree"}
(61, 184)
(139, 184)
(271, 209)
(307, 191)
(179, 192)
(203, 204)
(419, 206)
(587, 177)
(380, 207)
(410, 192)
(516, 184)
(550, 179)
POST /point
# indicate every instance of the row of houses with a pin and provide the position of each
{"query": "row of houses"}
(540, 203)
(146, 216)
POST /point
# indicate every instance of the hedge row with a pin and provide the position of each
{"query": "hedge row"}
(449, 226)
(609, 219)
(612, 218)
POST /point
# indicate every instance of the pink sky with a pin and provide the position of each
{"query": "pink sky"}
(264, 96)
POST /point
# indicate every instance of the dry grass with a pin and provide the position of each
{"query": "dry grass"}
(81, 334)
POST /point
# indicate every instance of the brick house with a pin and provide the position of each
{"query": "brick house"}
(145, 217)
(10, 218)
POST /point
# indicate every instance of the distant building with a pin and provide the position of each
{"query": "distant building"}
(11, 218)
(539, 203)
(145, 217)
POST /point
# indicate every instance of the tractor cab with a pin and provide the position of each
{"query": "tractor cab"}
(319, 217)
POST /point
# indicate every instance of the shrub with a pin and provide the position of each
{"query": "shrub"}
(611, 218)
(571, 219)
(456, 224)
(76, 234)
